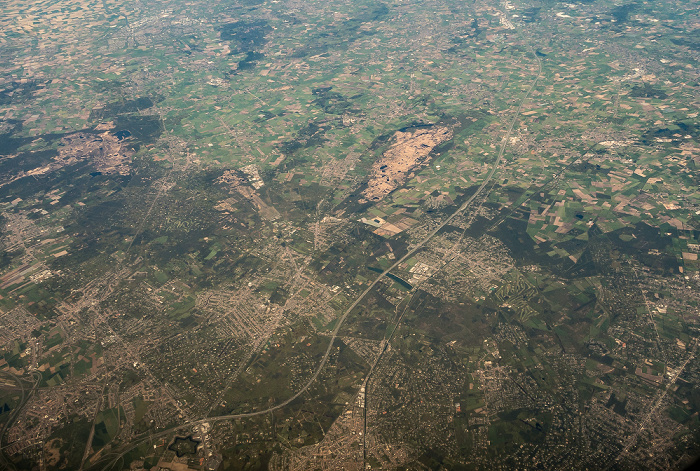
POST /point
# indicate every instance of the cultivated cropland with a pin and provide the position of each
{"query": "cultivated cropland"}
(349, 234)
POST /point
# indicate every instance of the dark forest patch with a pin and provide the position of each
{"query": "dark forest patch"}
(621, 13)
(690, 39)
(120, 107)
(311, 135)
(531, 15)
(343, 33)
(250, 60)
(184, 446)
(647, 91)
(17, 91)
(245, 36)
(143, 129)
(329, 101)
(676, 132)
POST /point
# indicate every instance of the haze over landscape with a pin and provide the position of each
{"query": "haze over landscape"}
(346, 235)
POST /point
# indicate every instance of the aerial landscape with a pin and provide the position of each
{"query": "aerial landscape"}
(348, 235)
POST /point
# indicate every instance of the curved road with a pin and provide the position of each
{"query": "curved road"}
(25, 396)
(341, 320)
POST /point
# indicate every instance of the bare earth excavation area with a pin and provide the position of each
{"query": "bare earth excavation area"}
(349, 235)
(410, 150)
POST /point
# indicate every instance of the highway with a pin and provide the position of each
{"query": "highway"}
(632, 440)
(358, 300)
(24, 398)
